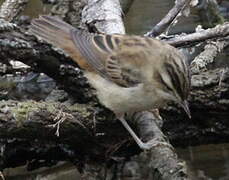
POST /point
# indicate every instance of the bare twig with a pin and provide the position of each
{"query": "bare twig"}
(216, 32)
(60, 118)
(169, 18)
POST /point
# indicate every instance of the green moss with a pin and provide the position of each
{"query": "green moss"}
(48, 106)
(210, 16)
(22, 110)
(216, 16)
(7, 85)
(83, 109)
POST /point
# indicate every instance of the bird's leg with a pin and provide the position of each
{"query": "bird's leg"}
(136, 138)
(145, 146)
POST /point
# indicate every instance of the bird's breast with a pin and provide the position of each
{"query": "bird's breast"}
(120, 99)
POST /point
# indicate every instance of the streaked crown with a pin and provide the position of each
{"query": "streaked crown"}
(174, 78)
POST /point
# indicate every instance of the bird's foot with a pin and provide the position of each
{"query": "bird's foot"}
(153, 143)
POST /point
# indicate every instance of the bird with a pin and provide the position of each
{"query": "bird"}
(129, 73)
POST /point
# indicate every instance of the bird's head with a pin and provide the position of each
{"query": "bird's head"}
(174, 80)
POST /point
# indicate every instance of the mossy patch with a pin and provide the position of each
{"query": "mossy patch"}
(81, 108)
(22, 110)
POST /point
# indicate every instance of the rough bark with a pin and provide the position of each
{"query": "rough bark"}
(11, 8)
(211, 50)
(105, 15)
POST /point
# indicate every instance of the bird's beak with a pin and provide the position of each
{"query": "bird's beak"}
(185, 106)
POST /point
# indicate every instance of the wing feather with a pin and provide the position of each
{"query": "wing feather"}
(102, 52)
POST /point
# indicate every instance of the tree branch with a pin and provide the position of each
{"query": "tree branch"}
(169, 18)
(105, 15)
(202, 35)
(211, 50)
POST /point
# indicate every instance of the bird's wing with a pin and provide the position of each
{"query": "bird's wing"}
(94, 48)
(108, 55)
(104, 53)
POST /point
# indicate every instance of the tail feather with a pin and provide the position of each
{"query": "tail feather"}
(37, 31)
(53, 31)
(58, 33)
(57, 23)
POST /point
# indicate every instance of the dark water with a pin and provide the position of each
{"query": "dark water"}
(211, 161)
(63, 171)
(144, 14)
